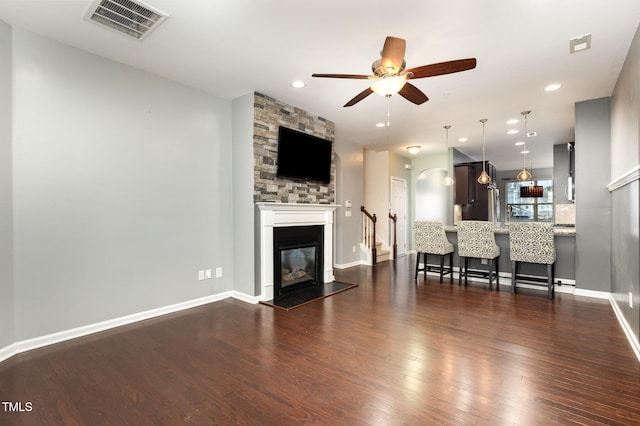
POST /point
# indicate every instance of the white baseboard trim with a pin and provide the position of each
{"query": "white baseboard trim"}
(49, 339)
(633, 341)
(349, 265)
(592, 293)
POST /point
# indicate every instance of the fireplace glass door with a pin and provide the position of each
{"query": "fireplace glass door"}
(298, 256)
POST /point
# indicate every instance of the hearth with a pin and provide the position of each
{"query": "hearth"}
(297, 258)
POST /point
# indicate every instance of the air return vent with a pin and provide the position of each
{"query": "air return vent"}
(132, 18)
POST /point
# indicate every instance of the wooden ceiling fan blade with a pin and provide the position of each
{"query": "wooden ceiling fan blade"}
(360, 96)
(442, 68)
(413, 94)
(354, 76)
(393, 55)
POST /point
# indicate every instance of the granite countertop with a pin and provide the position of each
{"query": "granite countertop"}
(558, 230)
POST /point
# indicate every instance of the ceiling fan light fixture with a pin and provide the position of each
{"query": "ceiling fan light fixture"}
(387, 86)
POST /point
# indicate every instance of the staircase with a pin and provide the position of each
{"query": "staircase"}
(382, 254)
(374, 248)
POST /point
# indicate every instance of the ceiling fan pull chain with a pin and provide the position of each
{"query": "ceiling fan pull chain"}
(388, 110)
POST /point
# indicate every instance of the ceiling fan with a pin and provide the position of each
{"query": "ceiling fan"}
(390, 77)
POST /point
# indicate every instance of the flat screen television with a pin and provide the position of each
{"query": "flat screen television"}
(303, 156)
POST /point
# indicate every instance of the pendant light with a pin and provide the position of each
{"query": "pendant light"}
(448, 180)
(531, 191)
(484, 178)
(524, 174)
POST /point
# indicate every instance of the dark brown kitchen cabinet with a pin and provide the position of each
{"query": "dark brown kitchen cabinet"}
(469, 194)
(465, 184)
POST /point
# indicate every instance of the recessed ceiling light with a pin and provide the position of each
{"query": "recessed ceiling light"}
(463, 139)
(532, 134)
(513, 121)
(526, 151)
(381, 124)
(519, 143)
(512, 131)
(298, 84)
(552, 87)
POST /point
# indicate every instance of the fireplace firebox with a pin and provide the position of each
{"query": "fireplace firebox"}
(298, 258)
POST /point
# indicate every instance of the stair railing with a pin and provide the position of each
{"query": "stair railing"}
(394, 218)
(369, 233)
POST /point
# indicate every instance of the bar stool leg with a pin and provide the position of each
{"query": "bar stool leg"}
(490, 274)
(417, 265)
(514, 265)
(550, 289)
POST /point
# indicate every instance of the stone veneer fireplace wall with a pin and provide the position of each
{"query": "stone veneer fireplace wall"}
(268, 115)
(286, 202)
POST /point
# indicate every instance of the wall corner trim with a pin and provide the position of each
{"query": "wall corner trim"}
(628, 177)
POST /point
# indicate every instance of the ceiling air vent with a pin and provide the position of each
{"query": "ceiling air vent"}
(132, 18)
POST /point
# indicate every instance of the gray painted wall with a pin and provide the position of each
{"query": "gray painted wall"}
(243, 207)
(593, 207)
(121, 189)
(7, 326)
(625, 200)
(349, 186)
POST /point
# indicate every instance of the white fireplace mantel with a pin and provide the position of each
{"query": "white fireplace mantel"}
(289, 214)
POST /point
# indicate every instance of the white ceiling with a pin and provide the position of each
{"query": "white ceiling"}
(233, 47)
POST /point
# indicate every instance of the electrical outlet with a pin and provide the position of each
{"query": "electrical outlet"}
(200, 275)
(218, 272)
(631, 300)
(207, 274)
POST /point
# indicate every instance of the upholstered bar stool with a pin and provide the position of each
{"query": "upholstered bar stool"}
(532, 242)
(477, 240)
(430, 238)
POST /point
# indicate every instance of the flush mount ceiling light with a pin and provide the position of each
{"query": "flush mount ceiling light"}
(524, 174)
(519, 143)
(513, 121)
(298, 84)
(484, 178)
(552, 87)
(578, 44)
(448, 180)
(512, 131)
(463, 139)
(379, 125)
(414, 149)
(131, 18)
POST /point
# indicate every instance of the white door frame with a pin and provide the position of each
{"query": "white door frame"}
(399, 207)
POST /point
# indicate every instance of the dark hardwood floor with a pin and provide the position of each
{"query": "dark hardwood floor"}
(386, 352)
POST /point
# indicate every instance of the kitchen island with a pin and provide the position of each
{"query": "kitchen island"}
(565, 266)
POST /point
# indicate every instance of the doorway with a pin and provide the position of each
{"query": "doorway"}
(399, 207)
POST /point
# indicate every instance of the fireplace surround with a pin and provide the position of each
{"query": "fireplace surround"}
(275, 215)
